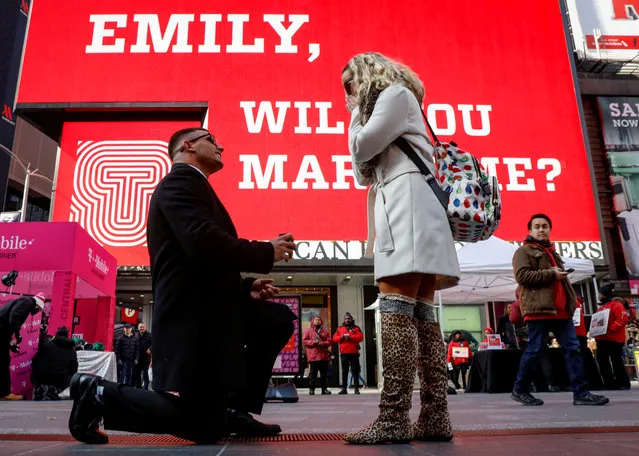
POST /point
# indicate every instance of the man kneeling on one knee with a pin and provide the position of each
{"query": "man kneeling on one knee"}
(547, 304)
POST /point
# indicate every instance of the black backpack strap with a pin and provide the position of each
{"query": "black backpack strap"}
(441, 195)
(432, 132)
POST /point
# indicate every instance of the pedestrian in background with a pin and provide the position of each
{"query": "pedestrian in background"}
(127, 354)
(349, 336)
(317, 341)
(611, 344)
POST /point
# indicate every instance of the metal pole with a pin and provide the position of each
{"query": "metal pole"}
(594, 282)
(25, 196)
(441, 313)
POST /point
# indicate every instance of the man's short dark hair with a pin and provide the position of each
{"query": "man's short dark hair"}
(542, 216)
(177, 138)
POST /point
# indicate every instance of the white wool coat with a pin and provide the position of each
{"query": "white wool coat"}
(411, 226)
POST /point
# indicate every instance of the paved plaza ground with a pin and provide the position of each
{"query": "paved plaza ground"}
(485, 424)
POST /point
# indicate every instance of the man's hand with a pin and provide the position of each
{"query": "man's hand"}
(13, 346)
(148, 351)
(263, 289)
(559, 274)
(284, 247)
(18, 339)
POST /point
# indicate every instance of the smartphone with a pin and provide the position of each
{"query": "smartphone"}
(570, 270)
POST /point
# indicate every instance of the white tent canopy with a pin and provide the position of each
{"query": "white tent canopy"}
(487, 273)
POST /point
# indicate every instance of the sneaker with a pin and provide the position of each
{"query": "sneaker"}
(526, 399)
(12, 397)
(591, 399)
(343, 391)
(325, 391)
(87, 411)
(356, 390)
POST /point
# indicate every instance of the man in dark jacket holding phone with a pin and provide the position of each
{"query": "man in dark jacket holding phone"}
(547, 304)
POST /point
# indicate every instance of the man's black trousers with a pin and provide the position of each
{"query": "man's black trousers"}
(200, 414)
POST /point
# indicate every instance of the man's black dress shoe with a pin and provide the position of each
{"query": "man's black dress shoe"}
(241, 423)
(84, 421)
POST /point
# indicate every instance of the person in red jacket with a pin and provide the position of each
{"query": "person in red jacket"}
(610, 346)
(349, 336)
(317, 341)
(580, 322)
(591, 369)
(458, 359)
(486, 332)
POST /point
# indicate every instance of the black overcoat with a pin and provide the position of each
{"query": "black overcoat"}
(200, 297)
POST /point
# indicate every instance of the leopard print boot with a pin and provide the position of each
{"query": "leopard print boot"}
(399, 358)
(433, 423)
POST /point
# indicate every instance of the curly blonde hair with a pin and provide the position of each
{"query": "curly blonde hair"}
(372, 72)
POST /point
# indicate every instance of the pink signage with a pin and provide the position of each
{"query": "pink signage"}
(289, 361)
(62, 261)
(60, 246)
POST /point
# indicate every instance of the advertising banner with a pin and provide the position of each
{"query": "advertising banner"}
(289, 361)
(44, 246)
(605, 29)
(620, 121)
(107, 173)
(270, 72)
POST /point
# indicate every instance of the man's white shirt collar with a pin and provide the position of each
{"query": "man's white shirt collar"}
(198, 170)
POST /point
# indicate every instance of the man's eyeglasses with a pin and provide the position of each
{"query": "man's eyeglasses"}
(209, 137)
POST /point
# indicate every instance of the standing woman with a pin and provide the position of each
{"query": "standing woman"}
(317, 341)
(414, 250)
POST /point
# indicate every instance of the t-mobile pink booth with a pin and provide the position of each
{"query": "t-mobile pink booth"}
(61, 260)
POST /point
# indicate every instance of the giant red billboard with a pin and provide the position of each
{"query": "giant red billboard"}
(270, 73)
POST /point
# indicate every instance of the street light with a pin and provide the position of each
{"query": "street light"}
(27, 176)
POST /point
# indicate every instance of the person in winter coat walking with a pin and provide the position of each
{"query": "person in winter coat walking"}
(547, 305)
(610, 346)
(127, 352)
(53, 366)
(349, 336)
(414, 252)
(317, 341)
(459, 361)
(12, 317)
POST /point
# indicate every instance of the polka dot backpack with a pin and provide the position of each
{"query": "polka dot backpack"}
(469, 195)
